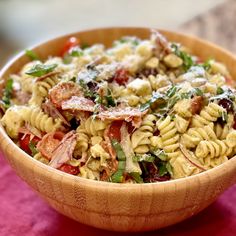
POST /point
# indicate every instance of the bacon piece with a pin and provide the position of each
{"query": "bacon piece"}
(53, 112)
(64, 150)
(78, 104)
(49, 143)
(196, 104)
(62, 92)
(128, 114)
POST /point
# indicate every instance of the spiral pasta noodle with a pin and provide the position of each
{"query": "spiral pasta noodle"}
(194, 135)
(94, 126)
(213, 149)
(169, 136)
(41, 88)
(82, 141)
(140, 139)
(37, 118)
(208, 114)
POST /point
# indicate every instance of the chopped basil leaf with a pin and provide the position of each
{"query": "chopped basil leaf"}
(118, 149)
(171, 92)
(144, 157)
(87, 92)
(169, 168)
(109, 99)
(32, 55)
(41, 69)
(219, 90)
(76, 52)
(33, 149)
(84, 46)
(160, 154)
(73, 79)
(162, 170)
(118, 177)
(6, 98)
(187, 59)
(155, 97)
(136, 176)
(198, 92)
(207, 64)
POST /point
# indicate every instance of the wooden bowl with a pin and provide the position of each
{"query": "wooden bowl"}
(121, 207)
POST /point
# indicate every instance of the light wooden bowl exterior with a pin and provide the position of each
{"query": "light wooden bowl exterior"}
(121, 207)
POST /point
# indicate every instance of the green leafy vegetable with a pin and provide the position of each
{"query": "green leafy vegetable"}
(86, 90)
(198, 92)
(136, 176)
(118, 177)
(162, 170)
(207, 64)
(219, 91)
(84, 46)
(187, 59)
(171, 92)
(156, 97)
(7, 94)
(110, 102)
(144, 157)
(32, 55)
(41, 69)
(76, 52)
(33, 149)
(160, 154)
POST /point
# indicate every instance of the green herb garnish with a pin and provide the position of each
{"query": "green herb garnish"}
(160, 154)
(219, 91)
(171, 92)
(7, 94)
(118, 177)
(32, 55)
(32, 147)
(136, 176)
(144, 157)
(155, 97)
(41, 69)
(109, 99)
(76, 52)
(187, 59)
(162, 170)
(86, 90)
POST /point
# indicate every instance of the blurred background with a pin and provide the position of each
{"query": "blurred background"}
(27, 22)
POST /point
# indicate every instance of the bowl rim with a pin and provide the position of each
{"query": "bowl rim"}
(69, 177)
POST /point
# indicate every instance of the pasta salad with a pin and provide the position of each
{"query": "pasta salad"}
(141, 111)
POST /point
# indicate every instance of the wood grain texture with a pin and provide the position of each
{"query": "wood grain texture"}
(121, 207)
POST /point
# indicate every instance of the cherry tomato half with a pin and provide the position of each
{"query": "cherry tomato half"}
(70, 43)
(73, 170)
(25, 141)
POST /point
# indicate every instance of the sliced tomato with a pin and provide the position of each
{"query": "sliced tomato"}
(70, 43)
(25, 141)
(49, 143)
(114, 130)
(63, 92)
(73, 170)
(121, 76)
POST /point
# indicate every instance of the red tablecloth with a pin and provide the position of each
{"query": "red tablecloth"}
(23, 213)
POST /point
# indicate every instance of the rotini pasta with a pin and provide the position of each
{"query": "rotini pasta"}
(208, 114)
(39, 119)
